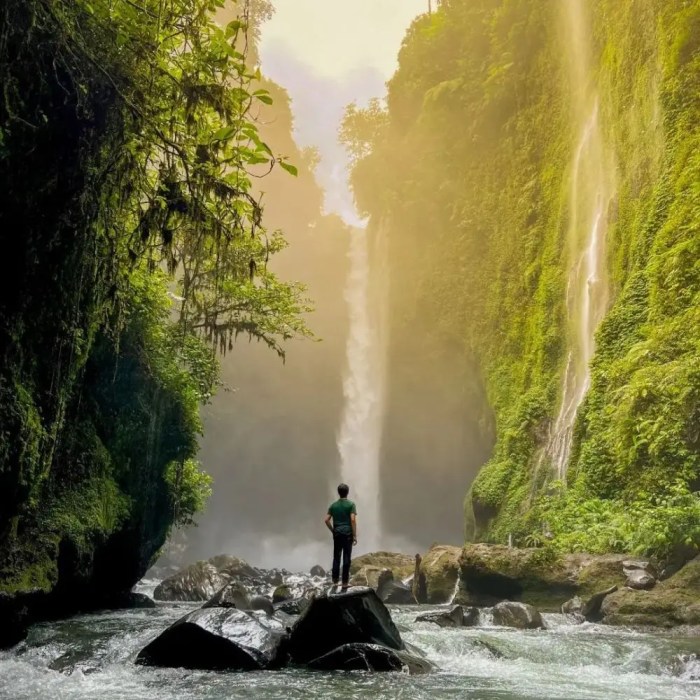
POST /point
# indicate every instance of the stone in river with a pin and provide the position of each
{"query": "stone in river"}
(519, 615)
(370, 657)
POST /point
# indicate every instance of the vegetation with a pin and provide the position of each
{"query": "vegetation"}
(471, 166)
(128, 152)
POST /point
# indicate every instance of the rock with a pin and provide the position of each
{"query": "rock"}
(397, 593)
(446, 618)
(281, 593)
(673, 601)
(573, 606)
(489, 648)
(201, 580)
(591, 608)
(640, 580)
(331, 621)
(370, 657)
(217, 639)
(519, 615)
(638, 565)
(372, 577)
(293, 607)
(418, 581)
(260, 602)
(491, 573)
(401, 565)
(318, 571)
(232, 595)
(471, 617)
(439, 569)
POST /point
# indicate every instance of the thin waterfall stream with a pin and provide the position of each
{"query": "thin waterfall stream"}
(587, 288)
(587, 292)
(359, 438)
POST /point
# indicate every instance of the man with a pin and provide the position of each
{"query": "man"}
(343, 516)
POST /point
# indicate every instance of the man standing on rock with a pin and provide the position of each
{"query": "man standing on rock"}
(343, 516)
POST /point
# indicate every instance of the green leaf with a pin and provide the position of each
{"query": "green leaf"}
(292, 170)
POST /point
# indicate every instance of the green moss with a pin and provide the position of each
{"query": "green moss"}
(478, 152)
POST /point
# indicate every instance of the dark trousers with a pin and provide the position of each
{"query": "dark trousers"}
(342, 544)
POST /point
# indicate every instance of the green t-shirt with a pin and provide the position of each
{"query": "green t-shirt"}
(340, 511)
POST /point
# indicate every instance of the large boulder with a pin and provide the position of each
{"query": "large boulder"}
(455, 617)
(231, 595)
(538, 576)
(331, 621)
(397, 593)
(370, 657)
(372, 577)
(201, 580)
(317, 571)
(518, 615)
(217, 639)
(439, 574)
(674, 601)
(401, 565)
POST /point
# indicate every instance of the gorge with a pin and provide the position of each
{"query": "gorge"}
(490, 329)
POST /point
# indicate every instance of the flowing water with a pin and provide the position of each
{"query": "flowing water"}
(589, 196)
(359, 439)
(587, 292)
(92, 656)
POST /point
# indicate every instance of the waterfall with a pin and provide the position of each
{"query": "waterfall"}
(587, 288)
(359, 439)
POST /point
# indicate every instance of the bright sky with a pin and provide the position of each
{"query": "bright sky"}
(338, 36)
(327, 54)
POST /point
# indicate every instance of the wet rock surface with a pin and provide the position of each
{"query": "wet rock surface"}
(439, 572)
(217, 639)
(519, 615)
(370, 657)
(455, 617)
(332, 621)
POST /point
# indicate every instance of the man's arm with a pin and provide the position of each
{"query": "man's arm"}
(328, 521)
(353, 522)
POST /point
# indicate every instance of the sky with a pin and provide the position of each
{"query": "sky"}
(327, 54)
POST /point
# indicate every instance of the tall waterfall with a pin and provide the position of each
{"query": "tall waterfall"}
(587, 289)
(359, 439)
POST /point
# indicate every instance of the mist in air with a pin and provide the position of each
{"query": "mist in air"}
(401, 421)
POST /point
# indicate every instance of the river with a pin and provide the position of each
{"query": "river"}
(91, 657)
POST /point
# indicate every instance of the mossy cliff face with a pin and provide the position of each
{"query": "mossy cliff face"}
(473, 175)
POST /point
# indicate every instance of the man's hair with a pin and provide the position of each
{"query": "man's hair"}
(343, 490)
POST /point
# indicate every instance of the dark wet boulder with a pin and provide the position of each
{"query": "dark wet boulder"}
(200, 581)
(519, 615)
(203, 579)
(370, 657)
(217, 639)
(331, 621)
(444, 618)
(397, 593)
(128, 601)
(293, 607)
(591, 609)
(318, 571)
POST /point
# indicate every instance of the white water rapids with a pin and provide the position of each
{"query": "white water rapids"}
(92, 656)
